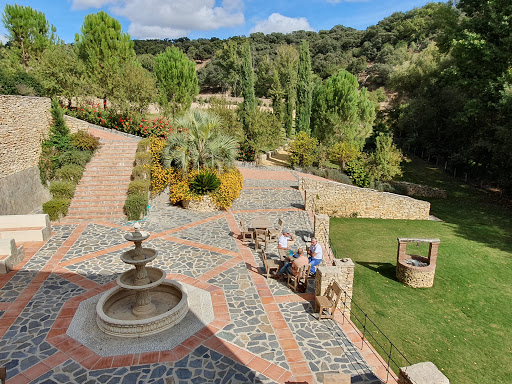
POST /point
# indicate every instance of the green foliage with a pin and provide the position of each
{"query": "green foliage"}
(84, 141)
(48, 163)
(69, 172)
(143, 158)
(141, 172)
(286, 64)
(343, 152)
(138, 187)
(56, 208)
(304, 90)
(62, 189)
(228, 63)
(247, 75)
(341, 111)
(205, 182)
(246, 152)
(229, 122)
(303, 150)
(105, 51)
(144, 145)
(385, 162)
(28, 31)
(59, 132)
(199, 143)
(135, 206)
(359, 172)
(80, 158)
(19, 83)
(330, 174)
(265, 132)
(177, 80)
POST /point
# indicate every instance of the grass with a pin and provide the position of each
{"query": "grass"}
(463, 323)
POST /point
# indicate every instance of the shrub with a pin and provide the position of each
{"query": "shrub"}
(80, 158)
(358, 171)
(135, 206)
(62, 189)
(245, 152)
(303, 150)
(141, 172)
(84, 141)
(138, 187)
(48, 163)
(231, 184)
(204, 183)
(144, 145)
(56, 208)
(143, 158)
(70, 172)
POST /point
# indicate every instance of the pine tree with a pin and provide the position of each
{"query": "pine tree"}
(304, 90)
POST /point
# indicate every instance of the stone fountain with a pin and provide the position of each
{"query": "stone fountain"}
(144, 302)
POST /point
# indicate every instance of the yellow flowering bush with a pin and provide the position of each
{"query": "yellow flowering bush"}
(160, 177)
(231, 183)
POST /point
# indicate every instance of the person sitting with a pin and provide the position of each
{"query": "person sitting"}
(315, 255)
(282, 244)
(291, 268)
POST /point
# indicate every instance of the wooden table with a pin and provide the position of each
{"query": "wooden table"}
(262, 223)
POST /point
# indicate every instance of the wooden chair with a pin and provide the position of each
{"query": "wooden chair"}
(329, 302)
(300, 279)
(269, 264)
(275, 233)
(260, 236)
(246, 233)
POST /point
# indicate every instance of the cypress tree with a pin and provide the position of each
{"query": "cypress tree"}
(249, 104)
(304, 90)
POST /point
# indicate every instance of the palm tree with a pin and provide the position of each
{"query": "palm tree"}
(199, 143)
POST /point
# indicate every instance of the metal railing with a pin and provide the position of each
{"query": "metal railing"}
(380, 344)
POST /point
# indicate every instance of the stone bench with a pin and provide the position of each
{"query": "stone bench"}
(10, 254)
(25, 227)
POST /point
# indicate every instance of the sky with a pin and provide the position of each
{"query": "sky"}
(159, 19)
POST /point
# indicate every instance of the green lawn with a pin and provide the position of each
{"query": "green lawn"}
(464, 323)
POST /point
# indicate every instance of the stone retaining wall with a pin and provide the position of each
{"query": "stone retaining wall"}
(342, 272)
(419, 190)
(342, 200)
(75, 124)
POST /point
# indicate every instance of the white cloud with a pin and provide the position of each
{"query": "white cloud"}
(3, 39)
(279, 23)
(86, 4)
(176, 18)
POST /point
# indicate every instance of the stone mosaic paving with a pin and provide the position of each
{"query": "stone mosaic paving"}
(251, 328)
(216, 233)
(268, 199)
(268, 335)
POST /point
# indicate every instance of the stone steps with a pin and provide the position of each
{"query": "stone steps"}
(101, 193)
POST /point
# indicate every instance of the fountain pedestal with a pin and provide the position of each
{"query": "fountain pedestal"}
(144, 302)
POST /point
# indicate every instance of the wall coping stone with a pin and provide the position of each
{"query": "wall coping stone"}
(423, 373)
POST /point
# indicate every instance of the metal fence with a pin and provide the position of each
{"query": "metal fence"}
(371, 335)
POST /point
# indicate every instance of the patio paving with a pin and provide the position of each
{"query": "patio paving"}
(262, 332)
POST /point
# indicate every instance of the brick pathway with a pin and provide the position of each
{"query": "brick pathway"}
(261, 333)
(101, 192)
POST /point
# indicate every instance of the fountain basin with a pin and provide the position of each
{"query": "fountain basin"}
(136, 236)
(115, 317)
(127, 279)
(148, 254)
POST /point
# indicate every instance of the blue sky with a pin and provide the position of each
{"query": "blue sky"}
(144, 19)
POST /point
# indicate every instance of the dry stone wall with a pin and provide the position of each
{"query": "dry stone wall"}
(24, 123)
(342, 200)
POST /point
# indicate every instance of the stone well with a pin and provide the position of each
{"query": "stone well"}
(414, 270)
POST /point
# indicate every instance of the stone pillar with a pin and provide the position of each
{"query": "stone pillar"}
(321, 230)
(432, 253)
(309, 204)
(422, 373)
(343, 273)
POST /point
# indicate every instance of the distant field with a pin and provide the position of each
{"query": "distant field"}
(463, 324)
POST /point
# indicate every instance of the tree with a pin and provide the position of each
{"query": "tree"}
(342, 152)
(60, 72)
(341, 112)
(277, 94)
(200, 143)
(384, 163)
(286, 65)
(247, 75)
(176, 79)
(264, 77)
(304, 90)
(105, 50)
(28, 31)
(228, 62)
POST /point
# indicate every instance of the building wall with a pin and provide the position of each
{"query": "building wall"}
(342, 200)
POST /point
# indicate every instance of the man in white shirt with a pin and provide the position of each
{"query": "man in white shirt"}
(282, 244)
(315, 255)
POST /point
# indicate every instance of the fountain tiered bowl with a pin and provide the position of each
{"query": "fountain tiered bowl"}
(144, 302)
